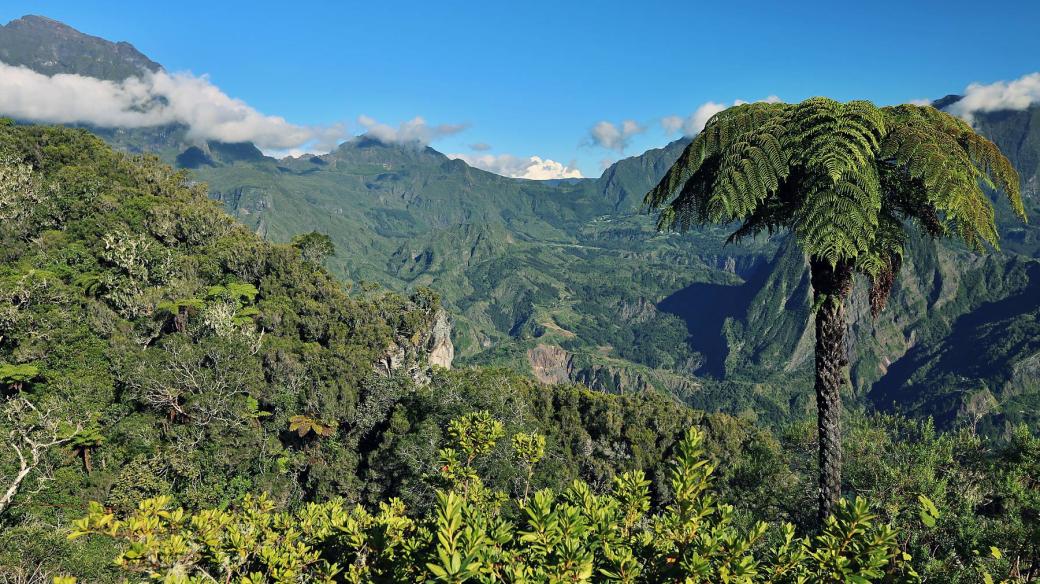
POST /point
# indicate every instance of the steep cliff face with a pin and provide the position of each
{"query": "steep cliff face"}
(957, 322)
(415, 355)
(440, 350)
(552, 364)
(987, 338)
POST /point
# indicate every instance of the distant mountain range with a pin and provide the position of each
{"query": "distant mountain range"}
(568, 280)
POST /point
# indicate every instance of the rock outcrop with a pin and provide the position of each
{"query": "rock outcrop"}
(440, 350)
(552, 364)
(415, 356)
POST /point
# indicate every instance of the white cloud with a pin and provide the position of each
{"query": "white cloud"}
(480, 147)
(694, 123)
(414, 131)
(154, 99)
(544, 169)
(293, 152)
(614, 137)
(672, 124)
(922, 101)
(1018, 94)
(534, 167)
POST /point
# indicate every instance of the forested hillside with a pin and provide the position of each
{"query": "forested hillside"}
(153, 347)
(528, 269)
(568, 280)
(530, 272)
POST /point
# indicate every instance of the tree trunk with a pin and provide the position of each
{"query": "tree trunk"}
(86, 460)
(831, 286)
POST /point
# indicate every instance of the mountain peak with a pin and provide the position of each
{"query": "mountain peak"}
(41, 22)
(365, 149)
(946, 101)
(50, 46)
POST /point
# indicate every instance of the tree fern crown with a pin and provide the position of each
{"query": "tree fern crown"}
(845, 178)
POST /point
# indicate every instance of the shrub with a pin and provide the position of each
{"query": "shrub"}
(479, 535)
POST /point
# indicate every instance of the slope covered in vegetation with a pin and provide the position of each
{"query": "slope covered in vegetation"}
(151, 345)
(529, 269)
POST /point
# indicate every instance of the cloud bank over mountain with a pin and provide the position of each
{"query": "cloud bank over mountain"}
(533, 167)
(414, 131)
(151, 100)
(1017, 94)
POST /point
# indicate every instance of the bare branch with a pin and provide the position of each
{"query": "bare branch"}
(32, 434)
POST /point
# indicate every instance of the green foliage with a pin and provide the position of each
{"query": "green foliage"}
(844, 178)
(573, 536)
(475, 434)
(304, 425)
(520, 264)
(182, 342)
(240, 292)
(189, 344)
(950, 496)
(775, 165)
(15, 377)
(528, 450)
(314, 247)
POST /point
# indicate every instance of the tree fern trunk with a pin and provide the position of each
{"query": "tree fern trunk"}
(831, 286)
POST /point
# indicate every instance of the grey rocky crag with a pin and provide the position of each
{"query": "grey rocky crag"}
(415, 356)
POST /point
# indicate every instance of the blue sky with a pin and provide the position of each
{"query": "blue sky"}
(534, 78)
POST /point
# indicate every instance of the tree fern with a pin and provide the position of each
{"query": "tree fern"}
(847, 179)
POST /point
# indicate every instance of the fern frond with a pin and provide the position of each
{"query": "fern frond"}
(689, 161)
(998, 172)
(721, 131)
(751, 168)
(836, 138)
(690, 206)
(995, 167)
(844, 177)
(837, 220)
(889, 242)
(907, 198)
(768, 217)
(950, 178)
(938, 119)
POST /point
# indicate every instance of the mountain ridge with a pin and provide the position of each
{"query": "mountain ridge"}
(532, 270)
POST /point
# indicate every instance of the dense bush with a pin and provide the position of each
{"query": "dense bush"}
(477, 534)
